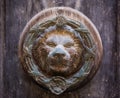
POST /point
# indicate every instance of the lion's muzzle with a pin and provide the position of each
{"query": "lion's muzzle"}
(59, 52)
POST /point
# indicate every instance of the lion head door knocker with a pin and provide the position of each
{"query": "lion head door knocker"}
(60, 48)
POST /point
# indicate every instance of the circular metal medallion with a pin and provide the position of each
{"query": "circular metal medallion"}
(60, 48)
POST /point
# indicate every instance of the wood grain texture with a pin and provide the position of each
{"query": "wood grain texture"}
(104, 14)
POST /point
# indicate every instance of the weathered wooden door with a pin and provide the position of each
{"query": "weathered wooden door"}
(14, 14)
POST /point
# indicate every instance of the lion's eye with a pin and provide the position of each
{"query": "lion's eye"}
(68, 45)
(51, 44)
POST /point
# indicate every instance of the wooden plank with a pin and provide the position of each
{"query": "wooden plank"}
(103, 14)
(18, 85)
(2, 30)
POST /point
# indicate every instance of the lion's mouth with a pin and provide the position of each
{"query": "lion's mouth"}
(59, 68)
(61, 62)
(58, 64)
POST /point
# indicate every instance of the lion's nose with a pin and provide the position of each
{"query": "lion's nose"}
(59, 55)
(59, 52)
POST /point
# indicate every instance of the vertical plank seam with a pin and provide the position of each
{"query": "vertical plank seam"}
(118, 48)
(2, 39)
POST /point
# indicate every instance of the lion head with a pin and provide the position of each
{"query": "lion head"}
(58, 52)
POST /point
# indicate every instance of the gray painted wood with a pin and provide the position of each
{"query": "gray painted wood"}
(14, 15)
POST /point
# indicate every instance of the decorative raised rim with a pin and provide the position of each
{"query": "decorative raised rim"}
(71, 14)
